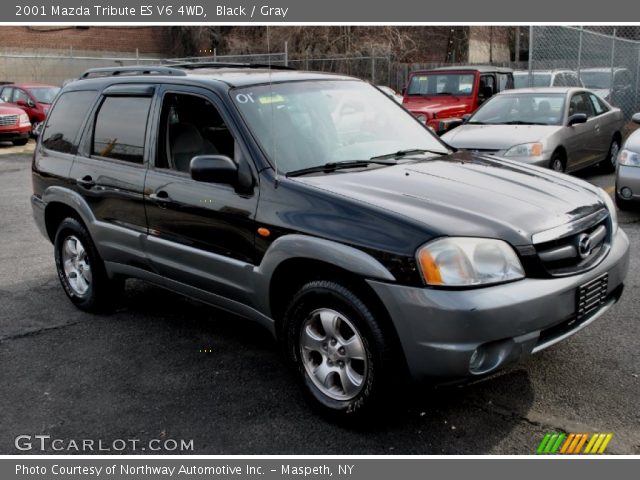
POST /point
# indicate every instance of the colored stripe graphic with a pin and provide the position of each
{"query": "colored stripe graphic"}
(573, 443)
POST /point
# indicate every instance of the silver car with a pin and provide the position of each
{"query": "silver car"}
(562, 128)
(628, 174)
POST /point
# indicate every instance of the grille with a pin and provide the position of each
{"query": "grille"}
(592, 295)
(6, 120)
(574, 247)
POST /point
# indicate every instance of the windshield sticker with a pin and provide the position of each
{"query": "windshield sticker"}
(268, 100)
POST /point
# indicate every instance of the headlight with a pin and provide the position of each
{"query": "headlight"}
(463, 261)
(422, 118)
(613, 213)
(23, 120)
(525, 150)
(629, 158)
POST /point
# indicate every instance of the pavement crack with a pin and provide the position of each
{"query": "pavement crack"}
(37, 331)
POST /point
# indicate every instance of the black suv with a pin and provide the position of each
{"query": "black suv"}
(320, 208)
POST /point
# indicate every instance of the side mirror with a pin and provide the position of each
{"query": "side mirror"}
(635, 118)
(214, 169)
(577, 118)
(22, 103)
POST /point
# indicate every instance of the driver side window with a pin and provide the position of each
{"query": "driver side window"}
(190, 125)
(580, 104)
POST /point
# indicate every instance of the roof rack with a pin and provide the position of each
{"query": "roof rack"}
(196, 65)
(132, 70)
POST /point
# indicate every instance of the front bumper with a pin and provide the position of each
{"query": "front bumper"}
(439, 330)
(628, 177)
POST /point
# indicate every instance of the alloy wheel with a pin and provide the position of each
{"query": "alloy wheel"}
(75, 262)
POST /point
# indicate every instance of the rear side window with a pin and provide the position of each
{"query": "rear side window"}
(120, 128)
(65, 120)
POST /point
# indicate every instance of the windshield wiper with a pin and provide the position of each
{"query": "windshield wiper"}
(519, 122)
(407, 152)
(333, 166)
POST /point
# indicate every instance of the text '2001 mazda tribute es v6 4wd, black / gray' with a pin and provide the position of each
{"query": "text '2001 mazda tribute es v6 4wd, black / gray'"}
(317, 206)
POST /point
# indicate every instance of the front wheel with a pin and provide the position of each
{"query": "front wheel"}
(21, 142)
(81, 270)
(557, 163)
(623, 204)
(337, 346)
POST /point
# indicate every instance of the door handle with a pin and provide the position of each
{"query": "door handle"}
(160, 197)
(86, 182)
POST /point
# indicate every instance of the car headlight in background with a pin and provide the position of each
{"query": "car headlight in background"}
(23, 120)
(525, 150)
(466, 261)
(613, 212)
(629, 158)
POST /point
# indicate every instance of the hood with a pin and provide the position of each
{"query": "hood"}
(468, 195)
(497, 137)
(444, 106)
(6, 109)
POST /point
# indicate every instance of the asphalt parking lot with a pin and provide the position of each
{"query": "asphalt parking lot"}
(163, 366)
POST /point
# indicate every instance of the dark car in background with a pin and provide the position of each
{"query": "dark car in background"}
(440, 97)
(615, 85)
(33, 98)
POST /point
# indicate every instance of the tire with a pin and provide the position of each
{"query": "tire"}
(357, 370)
(557, 163)
(608, 165)
(20, 142)
(34, 129)
(623, 204)
(81, 270)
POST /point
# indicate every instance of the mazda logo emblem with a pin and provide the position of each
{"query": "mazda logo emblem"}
(584, 245)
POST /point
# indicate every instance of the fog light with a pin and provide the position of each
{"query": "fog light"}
(477, 359)
(626, 193)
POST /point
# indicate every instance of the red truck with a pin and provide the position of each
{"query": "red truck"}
(33, 98)
(14, 125)
(441, 97)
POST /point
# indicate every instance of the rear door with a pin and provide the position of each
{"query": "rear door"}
(110, 168)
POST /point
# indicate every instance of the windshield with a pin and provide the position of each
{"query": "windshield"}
(596, 79)
(44, 94)
(441, 84)
(524, 108)
(521, 80)
(305, 124)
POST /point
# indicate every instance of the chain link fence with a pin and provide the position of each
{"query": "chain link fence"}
(605, 59)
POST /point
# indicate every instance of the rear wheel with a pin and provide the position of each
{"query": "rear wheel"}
(337, 346)
(557, 162)
(81, 270)
(608, 165)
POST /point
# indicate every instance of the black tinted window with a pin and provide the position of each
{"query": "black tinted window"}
(65, 120)
(120, 128)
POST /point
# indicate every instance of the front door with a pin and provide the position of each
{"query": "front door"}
(200, 234)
